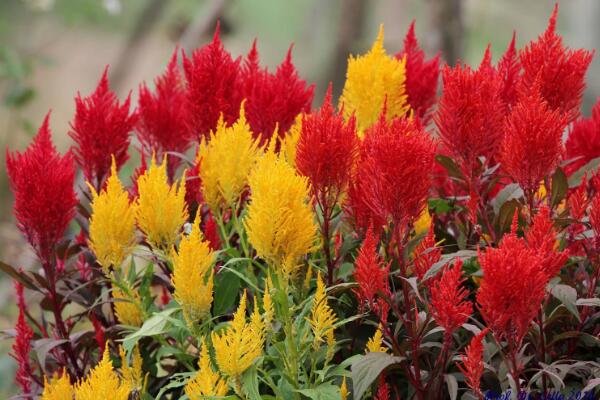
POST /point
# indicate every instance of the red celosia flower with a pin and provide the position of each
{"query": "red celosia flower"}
(139, 171)
(512, 288)
(421, 76)
(371, 274)
(562, 70)
(162, 124)
(100, 130)
(326, 151)
(471, 113)
(393, 174)
(273, 100)
(509, 69)
(211, 232)
(472, 362)
(22, 346)
(426, 254)
(193, 186)
(98, 332)
(532, 144)
(213, 87)
(383, 389)
(42, 182)
(595, 214)
(449, 307)
(541, 237)
(583, 143)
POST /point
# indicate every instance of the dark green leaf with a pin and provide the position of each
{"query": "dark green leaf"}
(560, 186)
(450, 166)
(367, 368)
(577, 176)
(227, 286)
(21, 277)
(325, 391)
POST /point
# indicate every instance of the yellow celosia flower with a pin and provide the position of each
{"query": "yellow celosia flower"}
(288, 147)
(102, 383)
(226, 161)
(268, 304)
(322, 317)
(375, 344)
(127, 307)
(241, 343)
(423, 223)
(280, 222)
(370, 80)
(206, 382)
(344, 389)
(132, 372)
(193, 290)
(112, 223)
(161, 209)
(58, 388)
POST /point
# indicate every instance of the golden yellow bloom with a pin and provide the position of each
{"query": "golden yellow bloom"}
(268, 304)
(58, 388)
(322, 317)
(423, 223)
(132, 372)
(161, 209)
(241, 343)
(280, 222)
(191, 264)
(290, 141)
(112, 224)
(102, 383)
(128, 307)
(370, 80)
(206, 382)
(226, 161)
(344, 389)
(375, 344)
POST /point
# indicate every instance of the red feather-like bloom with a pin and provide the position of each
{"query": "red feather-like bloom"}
(472, 362)
(421, 76)
(371, 274)
(326, 152)
(450, 309)
(426, 254)
(532, 144)
(541, 237)
(562, 70)
(509, 69)
(213, 87)
(512, 289)
(42, 182)
(583, 143)
(383, 389)
(471, 113)
(273, 100)
(22, 346)
(393, 175)
(162, 124)
(101, 130)
(211, 232)
(595, 216)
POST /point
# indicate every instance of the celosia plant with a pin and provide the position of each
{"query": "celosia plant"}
(347, 252)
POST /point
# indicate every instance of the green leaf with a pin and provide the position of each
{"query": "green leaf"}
(591, 302)
(227, 286)
(155, 325)
(20, 277)
(452, 386)
(567, 295)
(325, 391)
(450, 166)
(250, 384)
(446, 258)
(560, 186)
(367, 368)
(440, 206)
(43, 346)
(507, 212)
(510, 192)
(577, 176)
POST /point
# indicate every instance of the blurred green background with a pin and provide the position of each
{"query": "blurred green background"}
(51, 49)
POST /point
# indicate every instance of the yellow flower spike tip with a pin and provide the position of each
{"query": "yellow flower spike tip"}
(322, 317)
(191, 265)
(240, 344)
(112, 223)
(344, 389)
(226, 161)
(280, 223)
(370, 80)
(423, 223)
(132, 372)
(268, 304)
(206, 382)
(161, 208)
(375, 344)
(102, 383)
(127, 307)
(290, 141)
(58, 388)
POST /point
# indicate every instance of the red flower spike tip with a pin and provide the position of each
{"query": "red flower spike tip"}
(100, 129)
(562, 70)
(450, 308)
(99, 333)
(162, 125)
(583, 143)
(211, 232)
(193, 186)
(273, 100)
(595, 214)
(470, 114)
(508, 305)
(392, 152)
(509, 69)
(541, 237)
(532, 144)
(22, 346)
(426, 254)
(213, 87)
(326, 152)
(42, 183)
(421, 76)
(472, 362)
(383, 389)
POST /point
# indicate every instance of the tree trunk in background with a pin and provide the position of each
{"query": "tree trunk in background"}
(447, 28)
